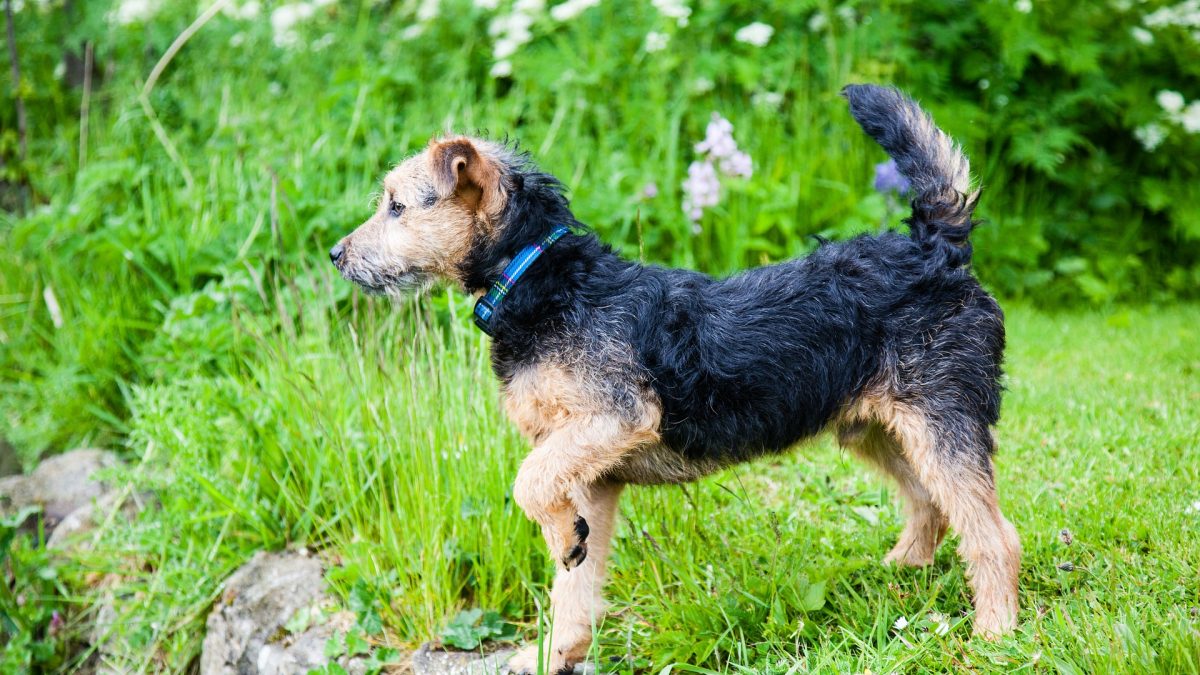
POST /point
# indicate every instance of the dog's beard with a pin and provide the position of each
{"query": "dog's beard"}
(390, 284)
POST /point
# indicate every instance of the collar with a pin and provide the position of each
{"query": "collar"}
(486, 306)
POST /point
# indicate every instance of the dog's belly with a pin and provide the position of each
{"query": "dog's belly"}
(660, 465)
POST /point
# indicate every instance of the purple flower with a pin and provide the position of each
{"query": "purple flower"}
(701, 190)
(650, 191)
(888, 177)
(56, 622)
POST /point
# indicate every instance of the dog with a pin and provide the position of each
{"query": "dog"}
(622, 373)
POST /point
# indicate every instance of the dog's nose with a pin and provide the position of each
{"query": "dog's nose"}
(335, 253)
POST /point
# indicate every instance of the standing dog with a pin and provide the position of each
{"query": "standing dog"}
(623, 373)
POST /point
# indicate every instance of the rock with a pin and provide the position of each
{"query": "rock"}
(60, 484)
(431, 660)
(71, 530)
(248, 627)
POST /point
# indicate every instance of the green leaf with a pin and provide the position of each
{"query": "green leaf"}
(356, 643)
(334, 647)
(814, 597)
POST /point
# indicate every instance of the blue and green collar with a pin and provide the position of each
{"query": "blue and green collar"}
(486, 306)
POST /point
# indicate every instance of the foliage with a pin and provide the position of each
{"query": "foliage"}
(33, 630)
(167, 294)
(472, 627)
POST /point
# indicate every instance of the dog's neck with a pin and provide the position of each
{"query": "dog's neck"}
(550, 289)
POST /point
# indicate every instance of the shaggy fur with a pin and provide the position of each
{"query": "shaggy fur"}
(623, 373)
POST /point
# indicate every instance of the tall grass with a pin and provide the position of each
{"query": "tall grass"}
(267, 404)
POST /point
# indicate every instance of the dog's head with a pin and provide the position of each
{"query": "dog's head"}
(435, 209)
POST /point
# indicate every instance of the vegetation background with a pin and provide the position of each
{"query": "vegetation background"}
(179, 174)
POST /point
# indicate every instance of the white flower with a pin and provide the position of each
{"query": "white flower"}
(412, 32)
(60, 69)
(502, 69)
(1186, 14)
(846, 14)
(767, 99)
(942, 628)
(718, 138)
(900, 624)
(757, 34)
(571, 9)
(284, 20)
(1194, 507)
(1150, 135)
(487, 4)
(1023, 6)
(237, 39)
(701, 190)
(505, 48)
(1171, 101)
(738, 164)
(1141, 35)
(130, 11)
(817, 22)
(984, 84)
(529, 6)
(428, 10)
(673, 9)
(1190, 119)
(656, 42)
(245, 12)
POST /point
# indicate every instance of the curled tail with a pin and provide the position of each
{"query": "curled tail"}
(943, 200)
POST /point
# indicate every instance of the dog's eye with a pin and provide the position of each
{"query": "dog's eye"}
(395, 209)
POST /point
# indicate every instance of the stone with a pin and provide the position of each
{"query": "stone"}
(248, 629)
(60, 485)
(433, 660)
(71, 531)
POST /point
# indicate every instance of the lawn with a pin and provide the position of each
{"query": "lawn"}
(380, 438)
(167, 294)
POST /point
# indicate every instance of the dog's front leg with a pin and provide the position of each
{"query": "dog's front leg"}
(576, 601)
(563, 486)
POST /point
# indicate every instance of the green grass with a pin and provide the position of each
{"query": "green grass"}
(378, 438)
(267, 404)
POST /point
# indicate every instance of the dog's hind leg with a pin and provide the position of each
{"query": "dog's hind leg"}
(576, 601)
(925, 524)
(950, 455)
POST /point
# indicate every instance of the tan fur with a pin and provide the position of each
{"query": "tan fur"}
(988, 542)
(428, 243)
(577, 439)
(925, 524)
(578, 442)
(473, 177)
(577, 600)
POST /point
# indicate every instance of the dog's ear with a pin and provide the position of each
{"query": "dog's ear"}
(459, 168)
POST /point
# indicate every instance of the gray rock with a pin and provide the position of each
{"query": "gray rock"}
(430, 660)
(60, 484)
(247, 629)
(71, 531)
(433, 660)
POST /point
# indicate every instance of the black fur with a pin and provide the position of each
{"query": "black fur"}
(755, 362)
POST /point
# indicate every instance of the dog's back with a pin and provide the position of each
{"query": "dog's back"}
(756, 362)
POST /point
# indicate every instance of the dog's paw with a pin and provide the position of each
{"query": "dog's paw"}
(577, 548)
(526, 662)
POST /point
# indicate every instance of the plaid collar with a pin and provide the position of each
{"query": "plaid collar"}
(486, 306)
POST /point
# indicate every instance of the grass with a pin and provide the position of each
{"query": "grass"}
(266, 404)
(379, 438)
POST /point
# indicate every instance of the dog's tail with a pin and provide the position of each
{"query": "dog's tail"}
(934, 164)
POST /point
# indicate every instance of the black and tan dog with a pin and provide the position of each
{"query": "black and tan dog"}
(623, 373)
